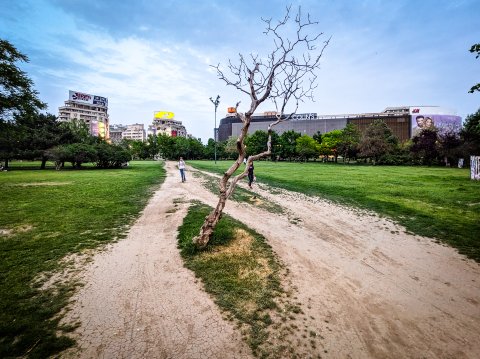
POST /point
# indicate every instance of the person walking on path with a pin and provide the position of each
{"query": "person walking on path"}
(250, 174)
(181, 167)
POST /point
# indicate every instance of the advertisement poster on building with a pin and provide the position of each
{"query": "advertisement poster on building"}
(101, 130)
(164, 115)
(101, 101)
(443, 123)
(94, 128)
(87, 98)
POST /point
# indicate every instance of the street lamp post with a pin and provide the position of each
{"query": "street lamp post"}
(215, 103)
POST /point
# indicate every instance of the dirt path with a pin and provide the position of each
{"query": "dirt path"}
(373, 290)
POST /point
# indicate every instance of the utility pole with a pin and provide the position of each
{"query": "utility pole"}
(215, 103)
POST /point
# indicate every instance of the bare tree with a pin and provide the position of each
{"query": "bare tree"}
(285, 76)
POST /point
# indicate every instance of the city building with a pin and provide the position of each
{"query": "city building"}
(404, 121)
(90, 109)
(134, 132)
(164, 123)
(151, 130)
(116, 132)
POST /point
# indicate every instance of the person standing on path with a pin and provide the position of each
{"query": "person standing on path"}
(250, 174)
(181, 167)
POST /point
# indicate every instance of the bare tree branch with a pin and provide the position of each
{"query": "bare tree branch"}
(286, 76)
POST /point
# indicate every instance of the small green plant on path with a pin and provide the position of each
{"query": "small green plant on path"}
(247, 280)
(436, 202)
(46, 215)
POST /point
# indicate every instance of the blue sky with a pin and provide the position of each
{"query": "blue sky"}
(148, 56)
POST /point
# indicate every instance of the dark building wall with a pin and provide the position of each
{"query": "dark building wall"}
(305, 127)
(398, 123)
(224, 129)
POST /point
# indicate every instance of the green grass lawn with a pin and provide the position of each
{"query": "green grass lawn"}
(44, 216)
(437, 202)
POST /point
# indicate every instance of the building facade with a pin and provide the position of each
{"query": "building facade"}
(134, 132)
(89, 109)
(404, 122)
(116, 132)
(164, 123)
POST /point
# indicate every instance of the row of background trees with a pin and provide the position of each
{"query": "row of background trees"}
(377, 145)
(28, 134)
(42, 137)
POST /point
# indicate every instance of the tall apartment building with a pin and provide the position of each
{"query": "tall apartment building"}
(164, 123)
(134, 132)
(90, 109)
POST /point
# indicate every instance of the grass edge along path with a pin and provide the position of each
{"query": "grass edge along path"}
(210, 182)
(48, 215)
(250, 285)
(436, 202)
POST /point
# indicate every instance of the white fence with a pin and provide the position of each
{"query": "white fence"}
(475, 168)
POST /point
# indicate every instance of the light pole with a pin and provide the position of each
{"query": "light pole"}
(215, 103)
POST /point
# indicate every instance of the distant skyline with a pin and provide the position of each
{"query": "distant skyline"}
(148, 56)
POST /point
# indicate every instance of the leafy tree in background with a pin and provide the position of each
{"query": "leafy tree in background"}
(470, 134)
(111, 156)
(9, 141)
(449, 147)
(38, 133)
(17, 96)
(196, 149)
(231, 147)
(192, 148)
(79, 132)
(138, 149)
(153, 147)
(59, 154)
(377, 141)
(330, 142)
(209, 151)
(475, 49)
(307, 147)
(318, 137)
(257, 143)
(349, 142)
(288, 144)
(80, 153)
(424, 146)
(167, 146)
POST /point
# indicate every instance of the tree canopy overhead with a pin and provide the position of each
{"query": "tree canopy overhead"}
(17, 96)
(475, 49)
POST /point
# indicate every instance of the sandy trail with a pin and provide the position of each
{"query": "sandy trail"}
(373, 290)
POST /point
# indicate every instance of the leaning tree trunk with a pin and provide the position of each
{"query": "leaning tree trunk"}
(226, 187)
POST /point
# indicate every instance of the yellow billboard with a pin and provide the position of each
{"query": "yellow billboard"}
(101, 130)
(164, 115)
